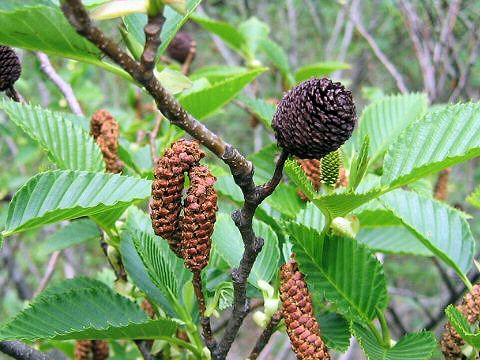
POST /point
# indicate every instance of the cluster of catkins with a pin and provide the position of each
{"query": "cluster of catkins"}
(470, 308)
(105, 131)
(188, 233)
(91, 350)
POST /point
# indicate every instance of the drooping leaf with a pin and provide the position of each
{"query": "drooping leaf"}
(436, 141)
(44, 28)
(319, 70)
(216, 73)
(443, 230)
(335, 330)
(261, 108)
(77, 232)
(279, 58)
(84, 311)
(463, 328)
(227, 243)
(342, 270)
(68, 145)
(415, 346)
(227, 32)
(206, 101)
(64, 195)
(385, 118)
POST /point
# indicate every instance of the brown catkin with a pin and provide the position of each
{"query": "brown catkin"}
(82, 349)
(198, 220)
(302, 326)
(311, 167)
(100, 350)
(105, 131)
(441, 187)
(167, 190)
(470, 308)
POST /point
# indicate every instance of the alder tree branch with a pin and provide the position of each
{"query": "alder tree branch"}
(266, 334)
(61, 84)
(152, 42)
(240, 167)
(204, 320)
(20, 351)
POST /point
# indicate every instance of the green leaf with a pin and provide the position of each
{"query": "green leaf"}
(228, 33)
(311, 217)
(64, 195)
(216, 73)
(206, 101)
(85, 310)
(463, 328)
(435, 142)
(75, 233)
(222, 298)
(342, 270)
(335, 330)
(443, 230)
(68, 145)
(254, 31)
(264, 162)
(474, 198)
(262, 109)
(227, 242)
(392, 240)
(225, 185)
(295, 173)
(174, 81)
(286, 200)
(319, 70)
(415, 346)
(279, 58)
(342, 203)
(44, 28)
(173, 22)
(385, 118)
(359, 165)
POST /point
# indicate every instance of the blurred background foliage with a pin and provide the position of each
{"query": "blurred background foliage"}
(375, 47)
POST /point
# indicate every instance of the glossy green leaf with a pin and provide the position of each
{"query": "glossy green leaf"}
(87, 310)
(359, 165)
(342, 270)
(264, 162)
(463, 328)
(227, 242)
(44, 28)
(436, 141)
(215, 73)
(254, 31)
(311, 217)
(206, 101)
(77, 232)
(442, 229)
(286, 200)
(295, 173)
(67, 144)
(277, 55)
(64, 195)
(228, 33)
(415, 346)
(335, 330)
(319, 70)
(387, 117)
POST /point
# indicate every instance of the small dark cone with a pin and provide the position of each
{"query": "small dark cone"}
(83, 349)
(10, 68)
(302, 326)
(167, 190)
(311, 167)
(330, 168)
(199, 215)
(181, 46)
(100, 350)
(470, 308)
(105, 131)
(314, 118)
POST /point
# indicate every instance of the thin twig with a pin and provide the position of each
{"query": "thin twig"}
(191, 55)
(153, 137)
(62, 85)
(205, 320)
(355, 17)
(51, 265)
(20, 351)
(266, 334)
(13, 94)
